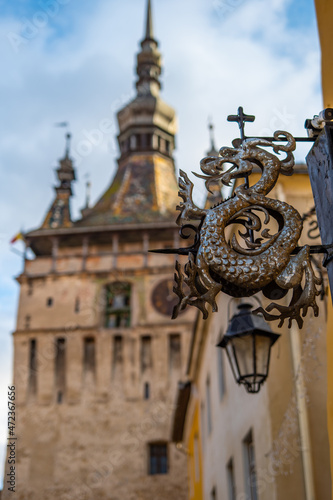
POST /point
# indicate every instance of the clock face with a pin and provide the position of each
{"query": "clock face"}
(163, 298)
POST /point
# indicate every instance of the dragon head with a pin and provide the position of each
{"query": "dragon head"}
(213, 166)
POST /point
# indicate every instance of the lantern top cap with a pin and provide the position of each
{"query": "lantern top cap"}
(244, 306)
(245, 322)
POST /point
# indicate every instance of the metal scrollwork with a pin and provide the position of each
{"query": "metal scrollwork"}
(313, 231)
(261, 261)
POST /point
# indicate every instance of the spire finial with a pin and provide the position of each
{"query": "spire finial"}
(211, 133)
(88, 186)
(149, 23)
(149, 61)
(212, 151)
(68, 143)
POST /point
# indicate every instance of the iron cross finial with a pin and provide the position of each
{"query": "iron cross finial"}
(241, 118)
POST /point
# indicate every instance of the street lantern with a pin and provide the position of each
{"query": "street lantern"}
(248, 343)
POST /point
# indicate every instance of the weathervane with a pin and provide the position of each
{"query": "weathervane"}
(271, 263)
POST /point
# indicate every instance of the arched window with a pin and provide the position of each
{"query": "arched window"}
(118, 305)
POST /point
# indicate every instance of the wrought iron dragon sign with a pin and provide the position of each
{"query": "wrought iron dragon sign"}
(271, 263)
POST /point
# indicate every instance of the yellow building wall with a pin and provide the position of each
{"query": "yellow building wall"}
(324, 9)
(195, 476)
(329, 334)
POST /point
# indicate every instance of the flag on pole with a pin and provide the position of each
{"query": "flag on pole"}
(18, 236)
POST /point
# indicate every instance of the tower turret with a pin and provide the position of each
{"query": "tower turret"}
(212, 151)
(96, 350)
(59, 213)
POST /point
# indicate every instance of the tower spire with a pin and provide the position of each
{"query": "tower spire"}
(144, 188)
(68, 144)
(214, 196)
(59, 213)
(149, 23)
(213, 151)
(149, 61)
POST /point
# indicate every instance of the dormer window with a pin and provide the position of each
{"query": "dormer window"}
(144, 141)
(118, 310)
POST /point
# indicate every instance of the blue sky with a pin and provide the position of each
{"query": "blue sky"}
(74, 60)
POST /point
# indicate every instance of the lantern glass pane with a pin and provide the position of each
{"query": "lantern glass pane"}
(263, 345)
(232, 361)
(243, 351)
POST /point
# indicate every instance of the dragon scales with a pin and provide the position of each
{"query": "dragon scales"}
(266, 264)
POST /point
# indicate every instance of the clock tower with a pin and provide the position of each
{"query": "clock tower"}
(96, 356)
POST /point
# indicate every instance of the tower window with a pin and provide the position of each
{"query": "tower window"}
(30, 287)
(146, 391)
(117, 350)
(231, 480)
(132, 142)
(60, 369)
(174, 351)
(158, 458)
(27, 320)
(77, 305)
(118, 312)
(138, 141)
(146, 358)
(250, 468)
(89, 356)
(144, 141)
(49, 302)
(167, 146)
(33, 367)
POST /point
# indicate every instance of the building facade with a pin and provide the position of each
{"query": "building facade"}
(96, 355)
